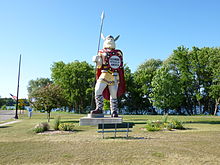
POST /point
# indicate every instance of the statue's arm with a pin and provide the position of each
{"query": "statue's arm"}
(98, 60)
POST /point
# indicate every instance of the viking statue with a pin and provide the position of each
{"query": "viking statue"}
(110, 76)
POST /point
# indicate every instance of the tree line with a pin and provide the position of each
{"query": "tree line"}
(7, 102)
(187, 82)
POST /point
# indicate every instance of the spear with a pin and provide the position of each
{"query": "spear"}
(100, 32)
(102, 20)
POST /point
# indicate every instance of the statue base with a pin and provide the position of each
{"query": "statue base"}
(101, 115)
(95, 119)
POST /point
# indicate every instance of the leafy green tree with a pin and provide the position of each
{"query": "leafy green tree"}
(106, 105)
(142, 82)
(196, 72)
(7, 102)
(215, 86)
(36, 84)
(166, 92)
(76, 79)
(180, 62)
(136, 99)
(202, 77)
(145, 74)
(129, 99)
(48, 97)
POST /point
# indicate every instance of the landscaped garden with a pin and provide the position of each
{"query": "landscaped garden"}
(197, 143)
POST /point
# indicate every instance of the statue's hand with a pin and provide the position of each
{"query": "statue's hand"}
(95, 58)
(98, 60)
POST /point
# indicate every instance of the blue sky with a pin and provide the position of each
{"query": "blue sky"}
(47, 31)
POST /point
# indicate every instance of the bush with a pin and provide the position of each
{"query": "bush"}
(158, 125)
(66, 127)
(177, 124)
(56, 123)
(165, 118)
(4, 107)
(41, 127)
(168, 126)
(154, 126)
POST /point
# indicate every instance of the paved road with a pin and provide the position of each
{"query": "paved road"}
(5, 115)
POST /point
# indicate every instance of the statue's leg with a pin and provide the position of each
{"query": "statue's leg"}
(98, 97)
(113, 101)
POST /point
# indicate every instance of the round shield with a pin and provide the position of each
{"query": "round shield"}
(114, 62)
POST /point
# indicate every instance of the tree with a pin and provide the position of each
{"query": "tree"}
(48, 97)
(76, 79)
(142, 80)
(196, 73)
(166, 92)
(180, 62)
(215, 86)
(145, 74)
(202, 78)
(7, 102)
(106, 106)
(129, 99)
(36, 84)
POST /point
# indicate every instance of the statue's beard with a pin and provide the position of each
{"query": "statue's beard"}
(109, 45)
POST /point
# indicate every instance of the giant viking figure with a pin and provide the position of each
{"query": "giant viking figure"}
(110, 82)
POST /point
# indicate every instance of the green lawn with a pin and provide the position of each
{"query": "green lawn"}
(198, 144)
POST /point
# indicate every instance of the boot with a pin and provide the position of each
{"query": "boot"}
(99, 105)
(114, 107)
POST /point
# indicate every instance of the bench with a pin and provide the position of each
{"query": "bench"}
(115, 127)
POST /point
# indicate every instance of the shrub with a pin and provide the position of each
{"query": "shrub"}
(177, 124)
(165, 118)
(41, 127)
(158, 125)
(66, 127)
(57, 123)
(154, 126)
(38, 129)
(168, 126)
(4, 107)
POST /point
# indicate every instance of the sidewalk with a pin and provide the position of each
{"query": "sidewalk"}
(11, 122)
(6, 114)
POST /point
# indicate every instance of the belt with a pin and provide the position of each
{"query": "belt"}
(109, 71)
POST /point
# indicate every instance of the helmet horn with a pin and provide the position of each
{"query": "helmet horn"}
(116, 38)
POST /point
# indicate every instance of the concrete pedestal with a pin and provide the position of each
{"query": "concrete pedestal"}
(95, 115)
(99, 120)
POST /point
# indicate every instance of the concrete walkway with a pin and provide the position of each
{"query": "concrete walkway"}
(6, 114)
(11, 122)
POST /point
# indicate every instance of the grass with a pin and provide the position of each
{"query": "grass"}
(198, 144)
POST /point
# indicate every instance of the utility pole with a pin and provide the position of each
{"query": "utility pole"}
(16, 112)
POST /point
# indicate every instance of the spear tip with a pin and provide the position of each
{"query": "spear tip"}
(103, 15)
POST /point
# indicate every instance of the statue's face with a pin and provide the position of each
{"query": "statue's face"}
(109, 42)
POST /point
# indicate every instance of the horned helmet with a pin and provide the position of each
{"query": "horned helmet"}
(109, 41)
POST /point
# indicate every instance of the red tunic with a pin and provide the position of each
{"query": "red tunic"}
(112, 62)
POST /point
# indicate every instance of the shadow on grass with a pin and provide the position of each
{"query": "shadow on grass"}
(58, 132)
(189, 129)
(69, 121)
(78, 130)
(138, 122)
(5, 126)
(126, 138)
(130, 138)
